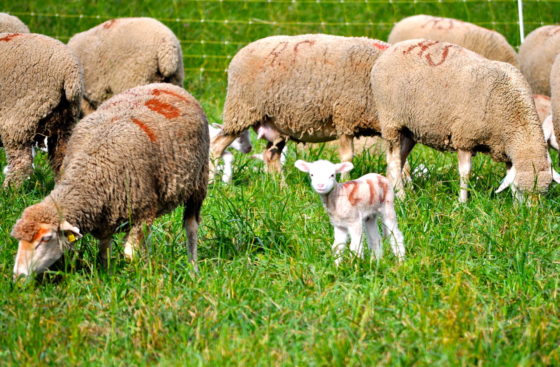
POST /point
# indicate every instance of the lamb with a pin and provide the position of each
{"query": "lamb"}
(457, 100)
(12, 24)
(555, 101)
(536, 56)
(308, 88)
(356, 204)
(485, 42)
(139, 156)
(40, 96)
(123, 53)
(242, 144)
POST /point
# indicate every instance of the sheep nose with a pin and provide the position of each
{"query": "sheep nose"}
(247, 149)
(320, 186)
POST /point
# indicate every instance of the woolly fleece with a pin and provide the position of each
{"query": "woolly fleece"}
(12, 24)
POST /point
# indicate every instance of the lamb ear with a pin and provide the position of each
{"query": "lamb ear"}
(217, 126)
(507, 181)
(67, 227)
(260, 133)
(303, 166)
(344, 167)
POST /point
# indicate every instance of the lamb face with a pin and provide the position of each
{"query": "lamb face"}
(323, 173)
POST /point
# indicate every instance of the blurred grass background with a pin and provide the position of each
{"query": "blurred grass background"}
(480, 285)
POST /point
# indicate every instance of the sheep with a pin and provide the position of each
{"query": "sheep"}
(40, 96)
(555, 102)
(242, 144)
(12, 24)
(123, 53)
(356, 204)
(308, 88)
(485, 42)
(536, 56)
(139, 156)
(451, 98)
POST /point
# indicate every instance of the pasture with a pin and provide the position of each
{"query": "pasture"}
(480, 285)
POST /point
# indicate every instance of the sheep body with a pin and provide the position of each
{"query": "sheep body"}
(309, 88)
(536, 56)
(458, 101)
(40, 96)
(485, 42)
(12, 24)
(126, 52)
(355, 205)
(140, 155)
(555, 101)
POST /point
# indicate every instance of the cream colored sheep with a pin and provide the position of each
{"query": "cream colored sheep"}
(536, 55)
(309, 88)
(12, 24)
(140, 155)
(485, 42)
(40, 96)
(449, 98)
(126, 52)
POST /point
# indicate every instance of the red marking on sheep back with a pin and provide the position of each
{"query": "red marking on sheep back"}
(553, 31)
(108, 24)
(10, 37)
(157, 92)
(296, 46)
(424, 46)
(352, 186)
(436, 21)
(276, 51)
(381, 46)
(146, 129)
(167, 110)
(371, 186)
(444, 55)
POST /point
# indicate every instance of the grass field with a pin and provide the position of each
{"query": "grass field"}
(480, 285)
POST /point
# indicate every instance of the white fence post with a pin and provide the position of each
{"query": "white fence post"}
(521, 24)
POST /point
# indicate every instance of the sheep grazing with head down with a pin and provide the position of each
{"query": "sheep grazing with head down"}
(124, 53)
(242, 144)
(41, 88)
(536, 56)
(485, 42)
(140, 155)
(451, 98)
(355, 205)
(308, 88)
(12, 24)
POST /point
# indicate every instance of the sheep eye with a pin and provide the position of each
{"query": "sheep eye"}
(311, 175)
(46, 238)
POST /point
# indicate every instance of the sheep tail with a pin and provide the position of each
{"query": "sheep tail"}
(74, 89)
(170, 61)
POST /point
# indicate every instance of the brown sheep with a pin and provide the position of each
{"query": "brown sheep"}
(124, 53)
(536, 55)
(40, 96)
(453, 99)
(309, 88)
(485, 42)
(139, 156)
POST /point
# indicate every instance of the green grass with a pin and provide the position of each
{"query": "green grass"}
(480, 285)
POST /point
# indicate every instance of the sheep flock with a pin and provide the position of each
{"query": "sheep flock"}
(129, 144)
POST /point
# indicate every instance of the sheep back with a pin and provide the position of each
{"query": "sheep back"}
(126, 52)
(312, 87)
(536, 55)
(12, 24)
(485, 42)
(457, 99)
(555, 98)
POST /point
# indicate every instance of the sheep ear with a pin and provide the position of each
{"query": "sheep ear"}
(507, 181)
(71, 232)
(217, 126)
(302, 165)
(260, 133)
(344, 167)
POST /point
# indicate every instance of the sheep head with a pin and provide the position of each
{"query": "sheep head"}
(323, 173)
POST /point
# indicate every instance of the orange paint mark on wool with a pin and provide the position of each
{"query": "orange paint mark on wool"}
(167, 110)
(157, 92)
(371, 186)
(384, 188)
(10, 37)
(352, 186)
(146, 129)
(40, 233)
(541, 96)
(108, 24)
(381, 46)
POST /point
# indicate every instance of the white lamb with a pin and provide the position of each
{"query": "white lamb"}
(356, 204)
(242, 144)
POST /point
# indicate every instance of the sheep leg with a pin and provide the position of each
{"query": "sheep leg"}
(273, 154)
(191, 221)
(406, 147)
(373, 237)
(346, 152)
(464, 173)
(228, 166)
(135, 239)
(356, 231)
(20, 164)
(394, 168)
(340, 238)
(104, 251)
(217, 147)
(391, 230)
(56, 146)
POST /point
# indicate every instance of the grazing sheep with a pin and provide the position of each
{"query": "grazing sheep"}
(40, 96)
(242, 144)
(309, 88)
(457, 100)
(123, 53)
(140, 155)
(12, 24)
(356, 204)
(485, 42)
(536, 56)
